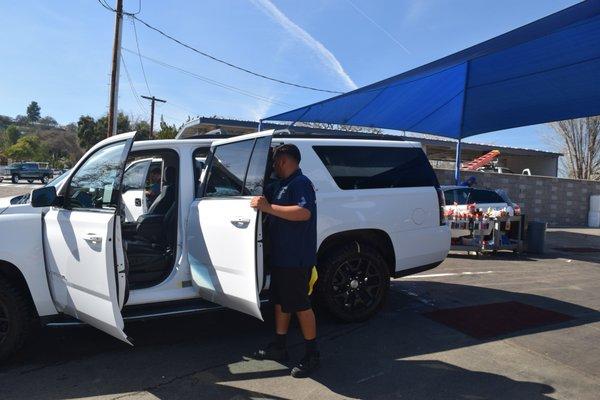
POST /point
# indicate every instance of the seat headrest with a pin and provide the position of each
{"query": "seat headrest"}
(170, 175)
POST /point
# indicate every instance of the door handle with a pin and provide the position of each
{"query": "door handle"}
(92, 237)
(240, 222)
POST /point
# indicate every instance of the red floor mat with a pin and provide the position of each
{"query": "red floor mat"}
(490, 320)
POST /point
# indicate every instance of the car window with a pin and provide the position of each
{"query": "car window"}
(362, 167)
(135, 176)
(485, 196)
(458, 196)
(228, 169)
(92, 186)
(255, 178)
(200, 156)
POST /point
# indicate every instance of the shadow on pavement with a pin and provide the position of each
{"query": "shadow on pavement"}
(201, 356)
(558, 241)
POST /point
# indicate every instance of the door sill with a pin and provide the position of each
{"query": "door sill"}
(145, 311)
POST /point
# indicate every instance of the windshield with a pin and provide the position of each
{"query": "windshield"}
(54, 182)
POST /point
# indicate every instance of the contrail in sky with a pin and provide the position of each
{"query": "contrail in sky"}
(381, 28)
(326, 57)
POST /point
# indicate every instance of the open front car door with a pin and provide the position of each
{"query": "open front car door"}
(83, 249)
(224, 234)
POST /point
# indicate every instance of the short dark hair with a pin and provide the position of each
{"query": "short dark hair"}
(155, 170)
(288, 149)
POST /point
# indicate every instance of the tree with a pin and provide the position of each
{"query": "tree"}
(166, 131)
(5, 121)
(143, 130)
(123, 124)
(33, 112)
(580, 142)
(21, 120)
(12, 134)
(48, 121)
(87, 132)
(90, 131)
(27, 148)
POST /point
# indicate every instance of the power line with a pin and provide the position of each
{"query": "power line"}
(137, 44)
(211, 81)
(219, 60)
(133, 91)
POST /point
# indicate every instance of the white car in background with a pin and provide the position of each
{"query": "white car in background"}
(458, 199)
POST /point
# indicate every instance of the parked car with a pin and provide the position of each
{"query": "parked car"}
(30, 171)
(458, 199)
(72, 252)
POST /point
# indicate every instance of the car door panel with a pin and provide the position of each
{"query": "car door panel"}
(82, 241)
(223, 253)
(80, 271)
(223, 231)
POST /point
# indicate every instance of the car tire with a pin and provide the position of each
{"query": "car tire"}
(15, 179)
(45, 180)
(353, 282)
(16, 320)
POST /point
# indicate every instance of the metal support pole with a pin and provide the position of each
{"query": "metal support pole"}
(152, 101)
(457, 163)
(259, 124)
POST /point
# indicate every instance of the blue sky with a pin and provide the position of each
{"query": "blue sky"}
(58, 52)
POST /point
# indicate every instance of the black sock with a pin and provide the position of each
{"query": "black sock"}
(311, 346)
(280, 340)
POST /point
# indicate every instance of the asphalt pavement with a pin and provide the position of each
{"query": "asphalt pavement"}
(401, 353)
(7, 188)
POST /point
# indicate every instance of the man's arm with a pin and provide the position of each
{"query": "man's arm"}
(290, 213)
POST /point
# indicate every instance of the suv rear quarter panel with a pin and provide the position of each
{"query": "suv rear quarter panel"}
(410, 216)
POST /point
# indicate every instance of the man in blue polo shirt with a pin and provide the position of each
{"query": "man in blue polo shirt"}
(292, 232)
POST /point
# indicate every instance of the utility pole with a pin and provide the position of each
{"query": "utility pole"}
(114, 76)
(152, 101)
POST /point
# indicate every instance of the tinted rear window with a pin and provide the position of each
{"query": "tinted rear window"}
(458, 196)
(354, 167)
(485, 196)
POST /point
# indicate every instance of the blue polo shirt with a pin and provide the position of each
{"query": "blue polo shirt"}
(293, 244)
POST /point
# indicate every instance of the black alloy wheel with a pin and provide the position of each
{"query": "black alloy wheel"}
(355, 282)
(16, 319)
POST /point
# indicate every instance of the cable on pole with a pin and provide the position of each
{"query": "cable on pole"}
(137, 44)
(212, 81)
(217, 59)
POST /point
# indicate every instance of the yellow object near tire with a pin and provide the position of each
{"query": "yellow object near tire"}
(313, 279)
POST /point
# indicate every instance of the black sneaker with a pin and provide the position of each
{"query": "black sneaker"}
(272, 352)
(306, 366)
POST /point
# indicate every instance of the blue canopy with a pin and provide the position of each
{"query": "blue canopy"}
(545, 71)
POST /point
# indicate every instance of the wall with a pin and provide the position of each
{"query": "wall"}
(558, 201)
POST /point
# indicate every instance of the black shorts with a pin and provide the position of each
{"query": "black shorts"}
(289, 288)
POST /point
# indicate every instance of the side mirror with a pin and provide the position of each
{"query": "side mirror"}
(43, 197)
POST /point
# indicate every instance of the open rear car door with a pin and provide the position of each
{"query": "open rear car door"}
(224, 234)
(83, 249)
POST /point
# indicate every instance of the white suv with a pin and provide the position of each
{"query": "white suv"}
(77, 249)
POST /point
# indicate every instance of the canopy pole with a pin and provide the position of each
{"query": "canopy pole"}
(457, 163)
(259, 124)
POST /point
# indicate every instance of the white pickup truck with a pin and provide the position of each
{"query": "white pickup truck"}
(92, 245)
